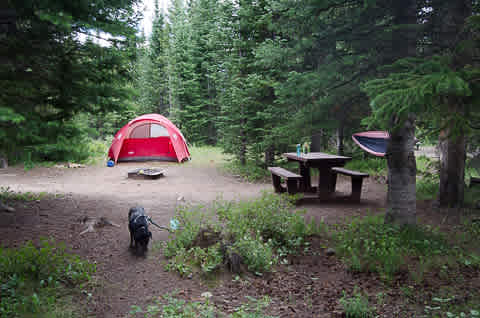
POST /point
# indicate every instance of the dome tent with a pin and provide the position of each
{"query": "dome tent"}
(149, 137)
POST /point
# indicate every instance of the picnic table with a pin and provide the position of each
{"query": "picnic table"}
(324, 163)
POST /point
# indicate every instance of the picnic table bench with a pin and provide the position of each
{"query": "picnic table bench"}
(474, 181)
(292, 180)
(357, 180)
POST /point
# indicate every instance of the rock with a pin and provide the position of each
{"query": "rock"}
(330, 251)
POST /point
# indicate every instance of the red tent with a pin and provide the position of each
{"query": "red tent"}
(149, 137)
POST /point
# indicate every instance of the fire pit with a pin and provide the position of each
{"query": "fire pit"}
(146, 173)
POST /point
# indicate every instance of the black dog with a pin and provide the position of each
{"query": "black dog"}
(138, 226)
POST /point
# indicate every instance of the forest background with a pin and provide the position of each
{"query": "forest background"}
(255, 77)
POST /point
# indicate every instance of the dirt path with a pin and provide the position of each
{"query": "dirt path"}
(124, 279)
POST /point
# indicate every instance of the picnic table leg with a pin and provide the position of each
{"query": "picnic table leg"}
(325, 182)
(306, 179)
(356, 189)
(277, 183)
(333, 180)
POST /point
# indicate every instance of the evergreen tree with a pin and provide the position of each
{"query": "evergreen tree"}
(50, 73)
(443, 87)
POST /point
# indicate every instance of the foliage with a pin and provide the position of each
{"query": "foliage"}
(372, 166)
(191, 221)
(258, 231)
(427, 188)
(168, 306)
(257, 255)
(7, 194)
(55, 67)
(368, 244)
(32, 280)
(356, 306)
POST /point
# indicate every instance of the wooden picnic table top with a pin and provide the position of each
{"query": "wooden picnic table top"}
(316, 157)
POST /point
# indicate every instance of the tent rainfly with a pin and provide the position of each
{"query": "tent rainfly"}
(149, 137)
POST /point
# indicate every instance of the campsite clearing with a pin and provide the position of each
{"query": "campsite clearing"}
(310, 285)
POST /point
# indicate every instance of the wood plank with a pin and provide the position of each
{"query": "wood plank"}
(474, 180)
(279, 171)
(350, 172)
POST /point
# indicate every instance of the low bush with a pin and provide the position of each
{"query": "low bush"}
(7, 194)
(368, 244)
(427, 188)
(32, 279)
(356, 306)
(254, 230)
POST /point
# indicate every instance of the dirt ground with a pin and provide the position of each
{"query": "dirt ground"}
(309, 286)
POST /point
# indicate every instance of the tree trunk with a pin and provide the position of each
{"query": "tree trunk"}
(402, 168)
(340, 137)
(449, 20)
(269, 156)
(452, 149)
(402, 172)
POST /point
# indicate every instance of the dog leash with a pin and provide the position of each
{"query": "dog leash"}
(159, 226)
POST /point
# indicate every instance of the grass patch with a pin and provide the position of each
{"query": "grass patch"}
(36, 281)
(207, 155)
(169, 306)
(249, 172)
(368, 244)
(372, 166)
(254, 234)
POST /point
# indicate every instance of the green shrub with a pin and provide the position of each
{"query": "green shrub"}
(368, 244)
(6, 194)
(257, 255)
(257, 230)
(31, 278)
(356, 306)
(190, 219)
(427, 189)
(269, 216)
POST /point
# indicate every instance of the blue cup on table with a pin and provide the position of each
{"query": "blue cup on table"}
(298, 150)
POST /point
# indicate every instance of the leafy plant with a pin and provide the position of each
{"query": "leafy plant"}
(368, 244)
(356, 306)
(257, 230)
(32, 279)
(7, 194)
(257, 255)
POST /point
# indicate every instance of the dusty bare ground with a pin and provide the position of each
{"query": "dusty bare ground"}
(309, 286)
